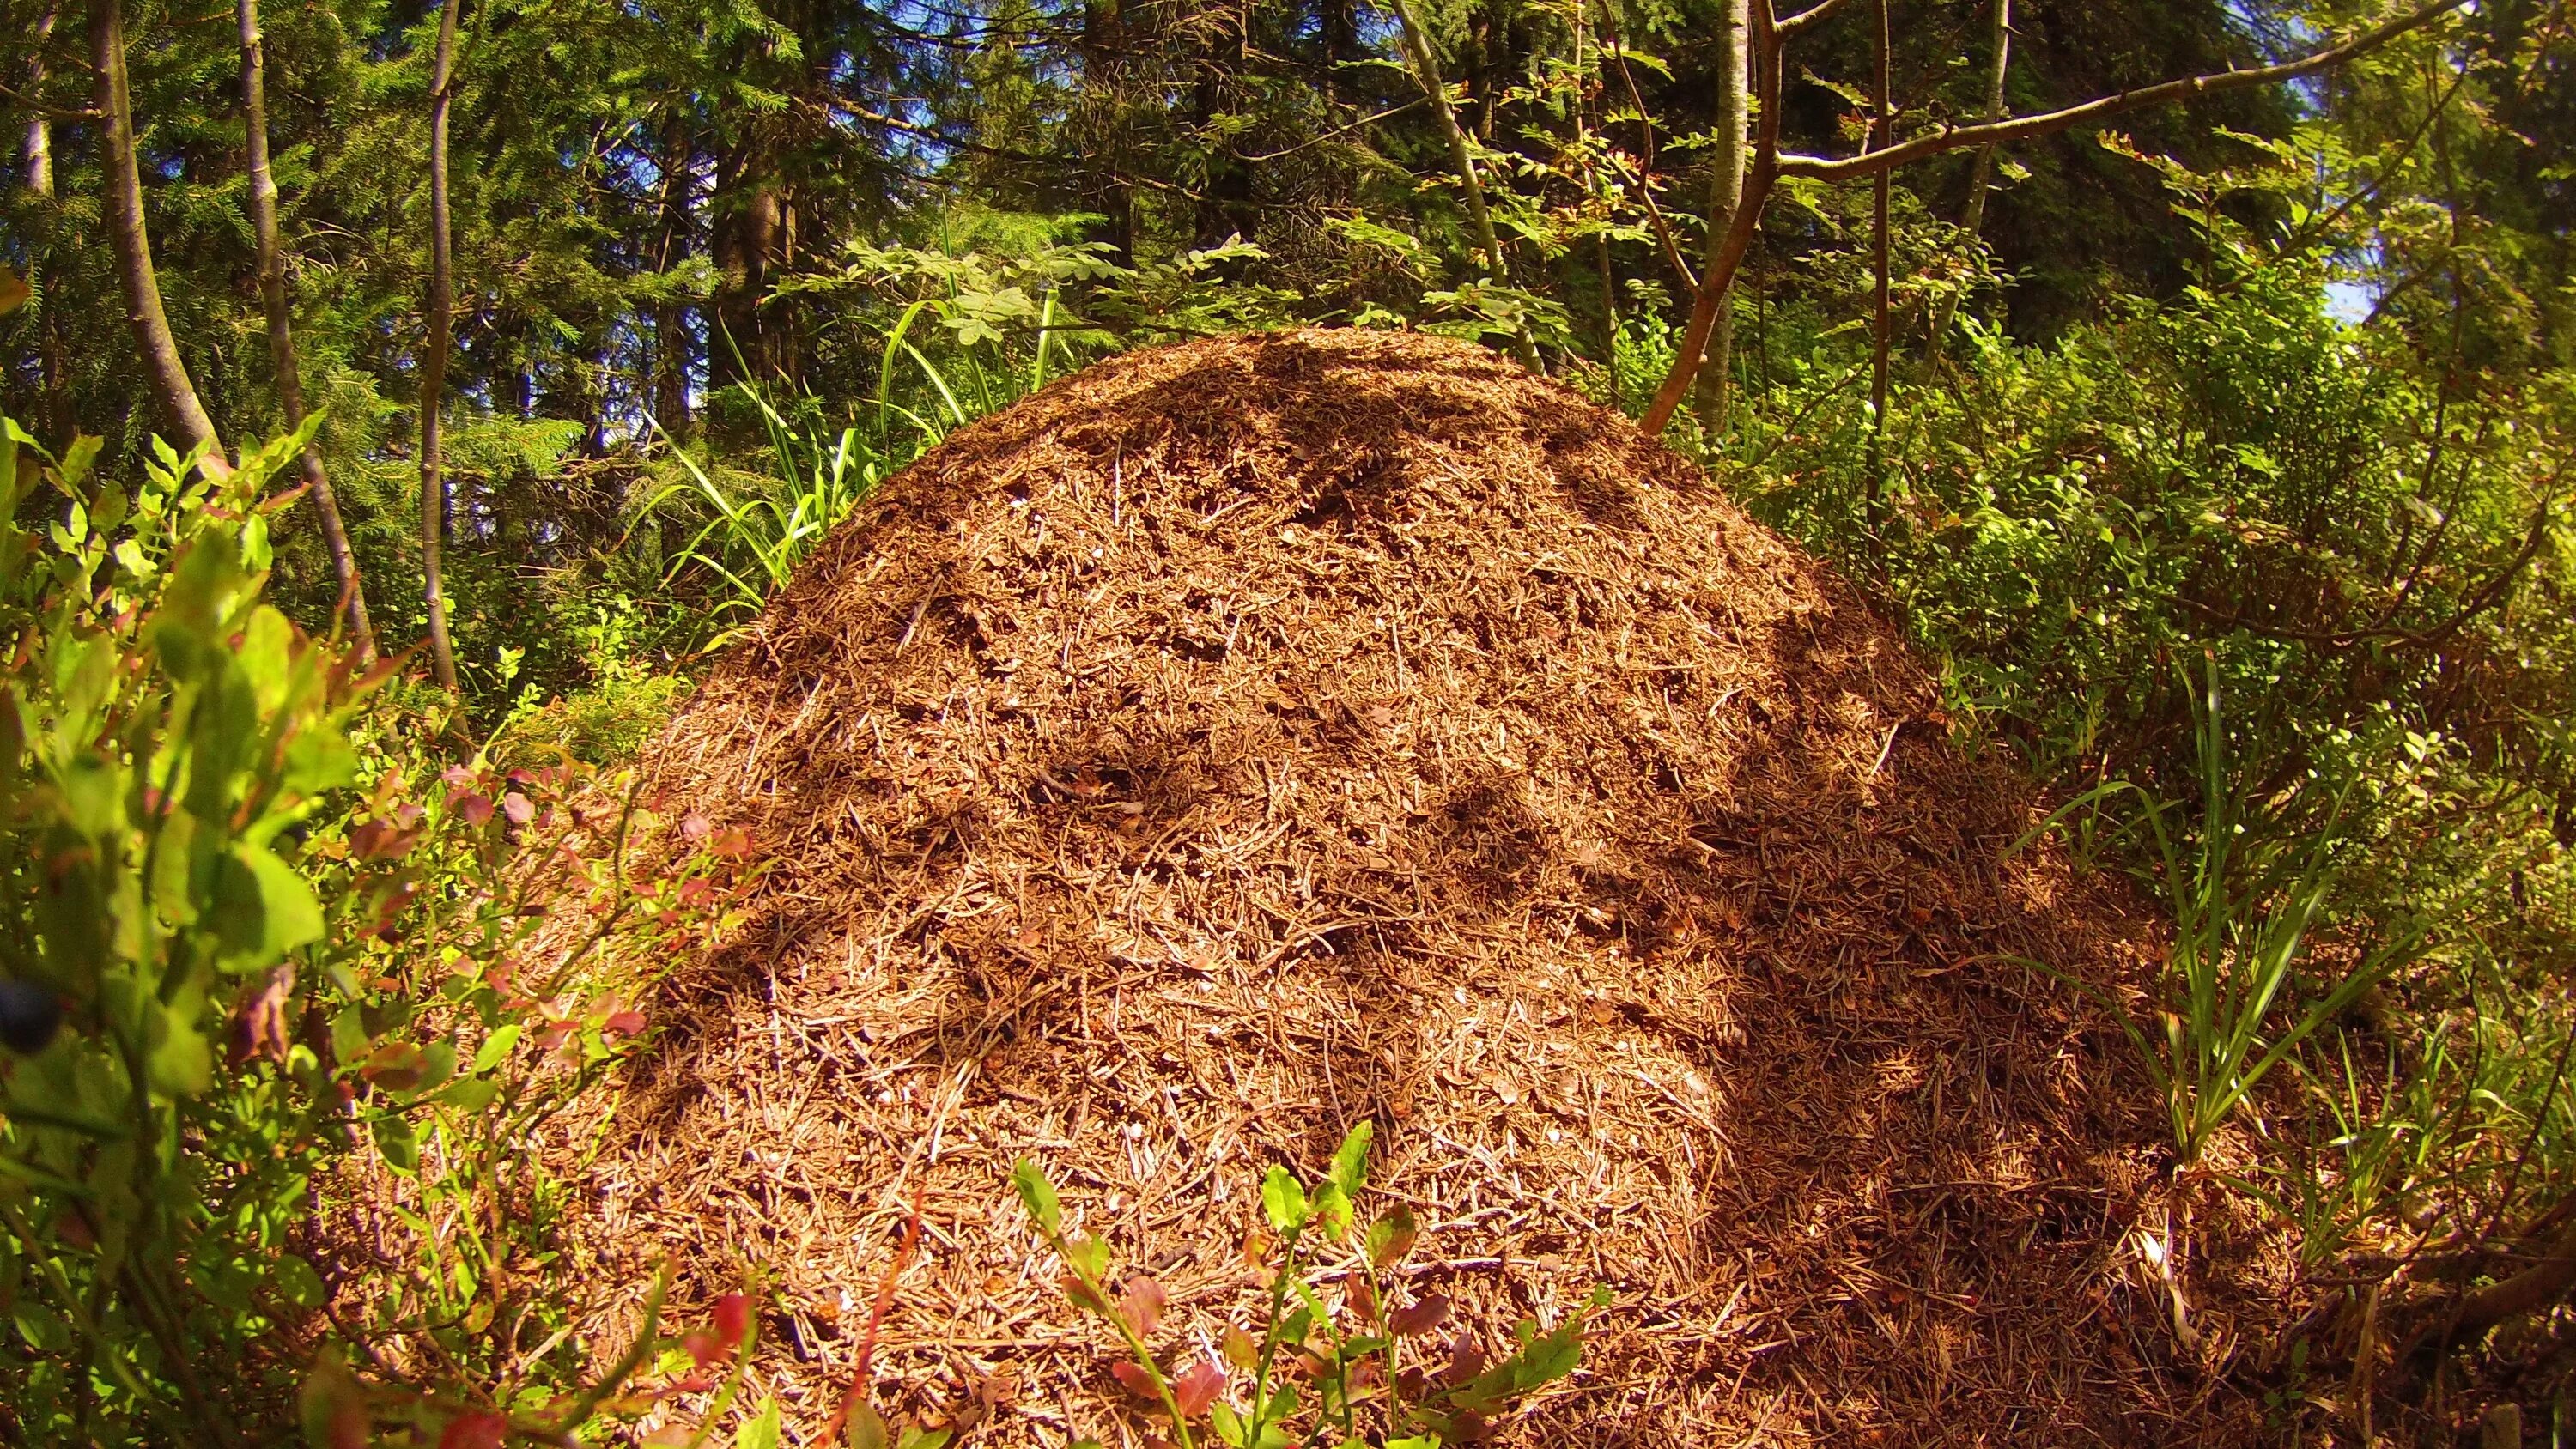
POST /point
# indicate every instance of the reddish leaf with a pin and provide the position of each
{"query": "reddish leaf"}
(733, 1311)
(695, 826)
(1142, 1307)
(1466, 1358)
(1423, 1315)
(1198, 1388)
(1081, 1294)
(474, 1431)
(1138, 1382)
(518, 807)
(471, 808)
(732, 844)
(624, 1023)
(382, 839)
(457, 776)
(1363, 1300)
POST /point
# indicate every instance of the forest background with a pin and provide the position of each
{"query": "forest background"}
(2212, 440)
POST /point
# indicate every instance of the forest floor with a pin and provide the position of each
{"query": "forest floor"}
(1243, 739)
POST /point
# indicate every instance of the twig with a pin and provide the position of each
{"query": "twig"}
(858, 1389)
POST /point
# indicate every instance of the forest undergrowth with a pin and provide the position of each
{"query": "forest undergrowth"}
(2219, 472)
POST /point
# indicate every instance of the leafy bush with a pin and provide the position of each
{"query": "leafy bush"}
(1350, 1350)
(223, 976)
(2373, 560)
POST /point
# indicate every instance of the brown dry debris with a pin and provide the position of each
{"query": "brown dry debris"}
(1245, 738)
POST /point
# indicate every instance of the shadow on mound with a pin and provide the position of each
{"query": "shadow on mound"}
(1242, 739)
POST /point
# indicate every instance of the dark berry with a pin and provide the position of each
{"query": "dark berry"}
(29, 1016)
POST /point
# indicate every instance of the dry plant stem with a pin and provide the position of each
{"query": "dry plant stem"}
(131, 243)
(1426, 73)
(857, 1392)
(433, 363)
(281, 330)
(1766, 41)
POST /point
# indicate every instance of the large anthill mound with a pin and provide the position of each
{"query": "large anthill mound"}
(1246, 738)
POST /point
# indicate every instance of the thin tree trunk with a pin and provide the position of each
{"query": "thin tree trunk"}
(433, 362)
(281, 331)
(1878, 138)
(670, 317)
(37, 176)
(1725, 194)
(1718, 281)
(132, 244)
(39, 149)
(1981, 176)
(1426, 72)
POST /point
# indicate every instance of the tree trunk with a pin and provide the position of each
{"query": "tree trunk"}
(1725, 194)
(172, 389)
(1719, 280)
(746, 229)
(1878, 138)
(1981, 175)
(281, 332)
(37, 176)
(39, 149)
(1102, 51)
(671, 317)
(1426, 72)
(433, 362)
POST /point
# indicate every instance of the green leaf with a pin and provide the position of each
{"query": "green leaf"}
(1284, 1201)
(1036, 1194)
(1391, 1237)
(1228, 1426)
(262, 909)
(473, 1094)
(761, 1431)
(495, 1047)
(181, 1063)
(1350, 1160)
(916, 1437)
(395, 1140)
(1332, 1211)
(296, 1281)
(1088, 1255)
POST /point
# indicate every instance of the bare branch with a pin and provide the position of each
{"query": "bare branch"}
(2101, 108)
(1808, 18)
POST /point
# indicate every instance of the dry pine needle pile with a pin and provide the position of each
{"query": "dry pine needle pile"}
(1245, 738)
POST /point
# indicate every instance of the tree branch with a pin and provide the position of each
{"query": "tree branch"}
(2101, 108)
(1807, 19)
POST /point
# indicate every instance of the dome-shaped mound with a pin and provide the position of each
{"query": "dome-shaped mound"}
(1245, 738)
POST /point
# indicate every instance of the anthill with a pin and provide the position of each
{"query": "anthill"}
(1242, 739)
